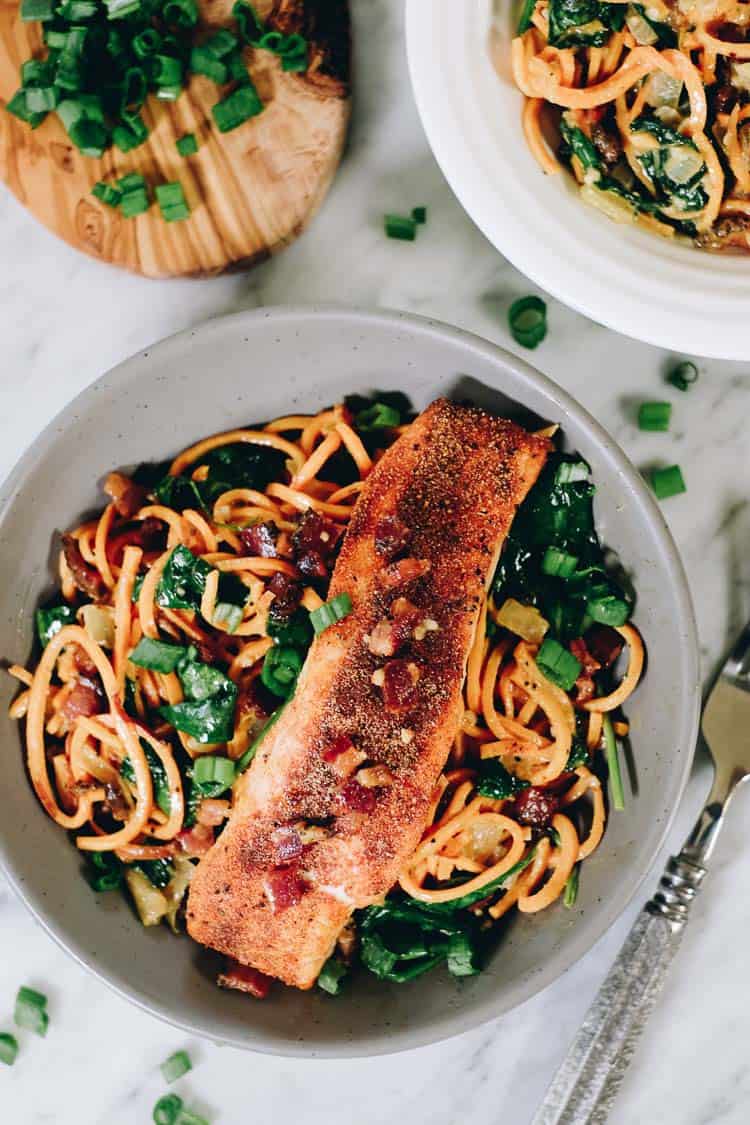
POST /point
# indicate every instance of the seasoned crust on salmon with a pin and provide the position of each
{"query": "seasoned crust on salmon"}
(381, 692)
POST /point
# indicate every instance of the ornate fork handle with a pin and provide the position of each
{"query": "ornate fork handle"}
(582, 1091)
(590, 1076)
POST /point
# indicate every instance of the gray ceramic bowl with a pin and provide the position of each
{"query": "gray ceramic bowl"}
(253, 366)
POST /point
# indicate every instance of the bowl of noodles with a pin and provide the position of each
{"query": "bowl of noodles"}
(604, 149)
(146, 664)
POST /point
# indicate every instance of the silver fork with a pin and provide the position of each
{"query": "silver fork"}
(586, 1084)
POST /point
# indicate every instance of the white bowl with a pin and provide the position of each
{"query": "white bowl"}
(659, 291)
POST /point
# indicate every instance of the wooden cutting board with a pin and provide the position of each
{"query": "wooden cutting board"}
(251, 191)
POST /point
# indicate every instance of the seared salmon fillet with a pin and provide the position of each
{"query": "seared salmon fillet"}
(339, 793)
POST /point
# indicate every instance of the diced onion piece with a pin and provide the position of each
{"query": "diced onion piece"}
(640, 28)
(524, 620)
(663, 90)
(682, 164)
(149, 901)
(99, 623)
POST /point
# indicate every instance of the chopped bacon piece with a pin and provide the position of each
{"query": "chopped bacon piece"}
(391, 537)
(244, 978)
(260, 541)
(284, 887)
(357, 798)
(589, 666)
(84, 699)
(400, 685)
(126, 495)
(312, 565)
(403, 571)
(287, 843)
(197, 840)
(84, 576)
(605, 644)
(149, 534)
(343, 757)
(314, 544)
(535, 806)
(286, 595)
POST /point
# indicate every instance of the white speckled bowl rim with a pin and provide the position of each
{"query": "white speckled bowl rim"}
(651, 288)
(241, 369)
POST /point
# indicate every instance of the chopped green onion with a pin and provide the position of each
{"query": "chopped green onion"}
(282, 665)
(570, 894)
(31, 1011)
(330, 612)
(237, 108)
(167, 1110)
(41, 99)
(558, 664)
(147, 42)
(103, 871)
(18, 107)
(134, 202)
(130, 136)
(37, 10)
(527, 318)
(107, 193)
(173, 206)
(332, 975)
(187, 1117)
(221, 43)
(8, 1048)
(213, 768)
(248, 22)
(227, 614)
(187, 145)
(683, 375)
(570, 472)
(176, 1065)
(236, 69)
(166, 70)
(74, 10)
(419, 215)
(558, 564)
(654, 416)
(118, 9)
(613, 764)
(205, 62)
(89, 137)
(667, 482)
(131, 181)
(400, 226)
(379, 416)
(184, 13)
(608, 610)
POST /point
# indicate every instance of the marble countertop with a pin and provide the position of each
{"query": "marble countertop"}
(64, 320)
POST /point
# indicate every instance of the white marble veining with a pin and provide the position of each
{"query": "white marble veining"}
(64, 320)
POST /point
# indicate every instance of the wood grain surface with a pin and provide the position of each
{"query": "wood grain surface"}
(251, 191)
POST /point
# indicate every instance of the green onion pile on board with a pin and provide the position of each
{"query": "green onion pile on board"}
(104, 58)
